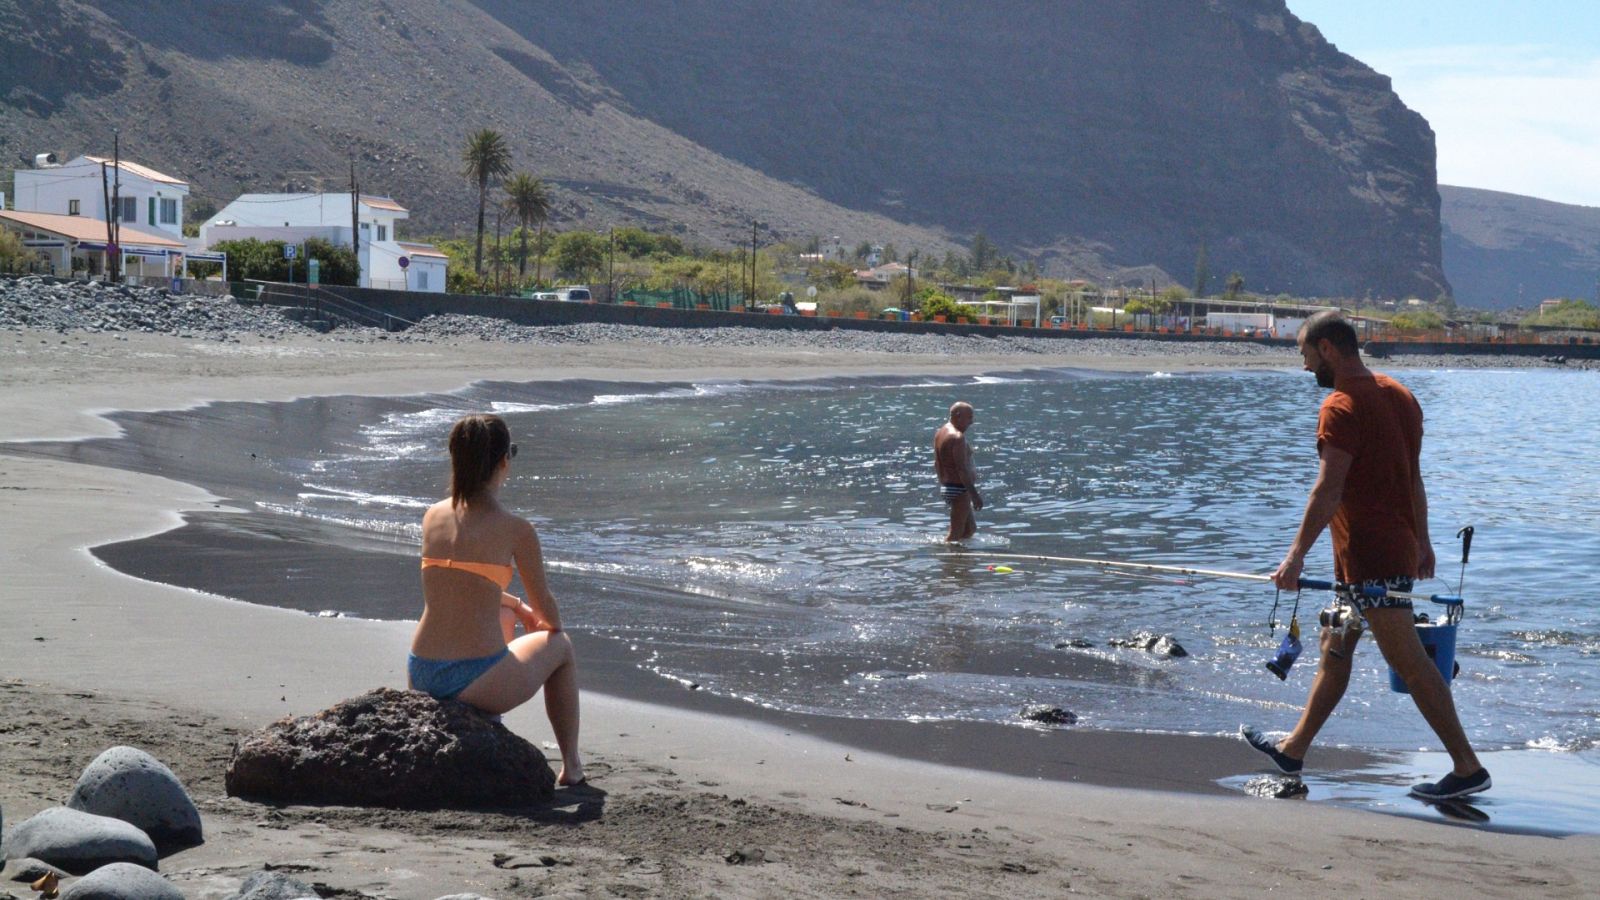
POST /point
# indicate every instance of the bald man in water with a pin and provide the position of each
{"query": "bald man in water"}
(958, 478)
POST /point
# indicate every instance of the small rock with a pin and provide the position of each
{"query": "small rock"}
(1279, 787)
(1075, 644)
(1160, 645)
(265, 885)
(746, 856)
(129, 784)
(79, 842)
(1048, 715)
(122, 881)
(30, 870)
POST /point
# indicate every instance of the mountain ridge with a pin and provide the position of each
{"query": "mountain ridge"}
(1100, 142)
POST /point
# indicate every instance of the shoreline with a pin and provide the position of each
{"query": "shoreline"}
(168, 646)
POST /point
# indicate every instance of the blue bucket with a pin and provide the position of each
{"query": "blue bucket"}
(1439, 641)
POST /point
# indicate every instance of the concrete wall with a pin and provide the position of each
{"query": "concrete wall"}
(415, 306)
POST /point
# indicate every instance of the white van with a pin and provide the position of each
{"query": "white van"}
(575, 293)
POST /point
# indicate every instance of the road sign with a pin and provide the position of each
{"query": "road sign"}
(289, 251)
(313, 271)
(811, 291)
(405, 261)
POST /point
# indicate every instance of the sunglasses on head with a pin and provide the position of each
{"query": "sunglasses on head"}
(513, 453)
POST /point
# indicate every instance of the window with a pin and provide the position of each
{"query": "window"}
(72, 207)
(129, 209)
(152, 210)
(169, 211)
(383, 232)
(422, 280)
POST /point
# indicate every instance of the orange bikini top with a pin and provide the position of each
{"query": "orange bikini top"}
(500, 575)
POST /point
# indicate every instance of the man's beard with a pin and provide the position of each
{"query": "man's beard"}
(1324, 373)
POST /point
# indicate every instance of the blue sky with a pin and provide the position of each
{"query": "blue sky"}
(1512, 89)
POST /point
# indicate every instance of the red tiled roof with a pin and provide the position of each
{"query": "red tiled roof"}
(382, 203)
(83, 228)
(141, 171)
(423, 250)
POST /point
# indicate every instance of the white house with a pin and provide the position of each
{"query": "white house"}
(79, 243)
(425, 267)
(145, 198)
(293, 218)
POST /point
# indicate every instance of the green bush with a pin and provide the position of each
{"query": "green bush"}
(1421, 320)
(258, 260)
(934, 302)
(14, 256)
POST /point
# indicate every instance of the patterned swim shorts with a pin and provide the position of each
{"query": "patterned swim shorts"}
(1355, 595)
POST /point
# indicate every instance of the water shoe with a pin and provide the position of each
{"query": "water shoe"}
(1452, 786)
(1286, 764)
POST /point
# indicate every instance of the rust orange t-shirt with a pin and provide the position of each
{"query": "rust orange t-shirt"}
(1377, 421)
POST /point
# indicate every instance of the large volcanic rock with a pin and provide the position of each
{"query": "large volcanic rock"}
(398, 749)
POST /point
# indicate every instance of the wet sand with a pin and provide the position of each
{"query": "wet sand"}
(93, 657)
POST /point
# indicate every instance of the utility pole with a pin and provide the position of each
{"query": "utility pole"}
(497, 214)
(105, 203)
(611, 266)
(751, 299)
(116, 201)
(355, 219)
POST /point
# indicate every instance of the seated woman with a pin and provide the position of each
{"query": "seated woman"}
(466, 646)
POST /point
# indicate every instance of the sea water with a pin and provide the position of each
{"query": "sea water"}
(782, 543)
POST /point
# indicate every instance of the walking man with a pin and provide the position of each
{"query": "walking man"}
(958, 478)
(1369, 489)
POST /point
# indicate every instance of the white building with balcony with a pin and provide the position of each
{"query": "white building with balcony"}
(294, 218)
(86, 186)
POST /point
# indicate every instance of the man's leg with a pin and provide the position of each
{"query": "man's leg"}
(961, 526)
(1396, 634)
(1327, 689)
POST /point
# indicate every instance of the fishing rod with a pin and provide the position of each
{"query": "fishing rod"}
(1310, 584)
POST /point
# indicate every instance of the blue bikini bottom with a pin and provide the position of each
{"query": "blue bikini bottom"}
(445, 678)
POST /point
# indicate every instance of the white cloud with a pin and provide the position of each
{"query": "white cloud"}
(1521, 119)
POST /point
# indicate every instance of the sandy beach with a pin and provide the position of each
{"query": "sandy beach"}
(690, 802)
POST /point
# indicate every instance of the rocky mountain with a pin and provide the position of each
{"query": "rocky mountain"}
(1504, 250)
(1100, 139)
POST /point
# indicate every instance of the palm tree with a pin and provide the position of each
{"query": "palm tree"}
(529, 201)
(487, 158)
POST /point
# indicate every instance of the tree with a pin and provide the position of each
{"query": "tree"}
(1235, 286)
(580, 253)
(1202, 271)
(985, 254)
(527, 199)
(487, 158)
(831, 274)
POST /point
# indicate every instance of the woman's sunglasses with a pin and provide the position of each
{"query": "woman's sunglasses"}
(513, 451)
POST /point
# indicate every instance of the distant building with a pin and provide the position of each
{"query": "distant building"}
(294, 218)
(1549, 306)
(426, 267)
(880, 276)
(145, 198)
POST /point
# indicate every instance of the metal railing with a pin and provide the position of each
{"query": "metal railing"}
(325, 305)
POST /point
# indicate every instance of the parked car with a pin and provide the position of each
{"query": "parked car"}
(1057, 320)
(577, 293)
(544, 295)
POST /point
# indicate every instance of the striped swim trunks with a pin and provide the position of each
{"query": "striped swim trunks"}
(952, 491)
(1356, 594)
